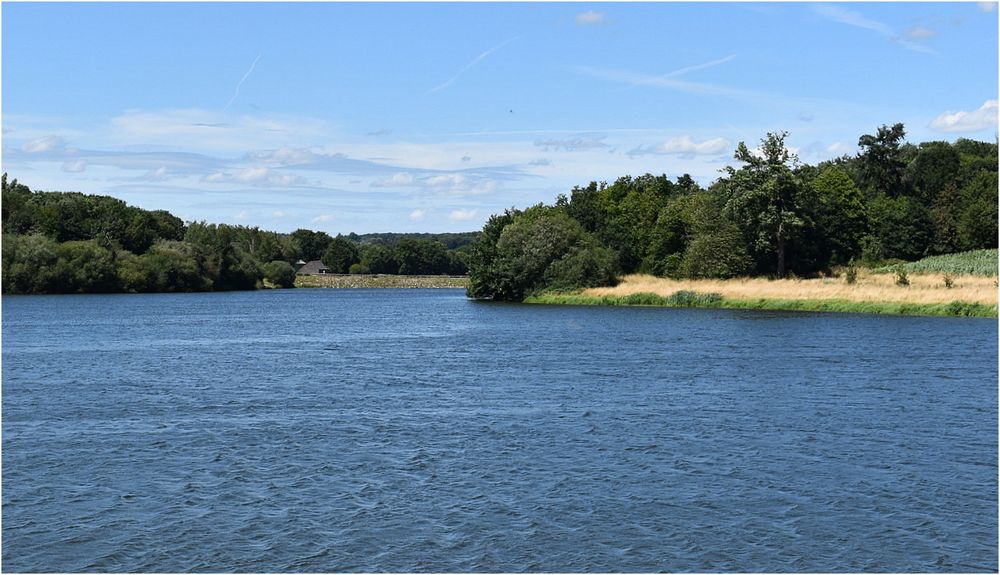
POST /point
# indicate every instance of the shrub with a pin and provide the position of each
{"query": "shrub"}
(358, 269)
(280, 273)
(901, 277)
(949, 282)
(852, 275)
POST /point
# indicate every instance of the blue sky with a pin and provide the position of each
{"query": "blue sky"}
(429, 117)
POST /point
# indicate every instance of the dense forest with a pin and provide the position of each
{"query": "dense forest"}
(55, 242)
(770, 216)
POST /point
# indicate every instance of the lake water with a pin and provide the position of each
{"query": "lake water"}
(414, 430)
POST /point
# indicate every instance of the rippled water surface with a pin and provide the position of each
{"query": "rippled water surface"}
(396, 430)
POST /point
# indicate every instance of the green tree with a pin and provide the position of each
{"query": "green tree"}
(936, 166)
(839, 214)
(763, 197)
(340, 253)
(881, 158)
(977, 225)
(280, 273)
(486, 273)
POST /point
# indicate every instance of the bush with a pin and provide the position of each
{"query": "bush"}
(852, 275)
(280, 273)
(949, 282)
(358, 269)
(902, 279)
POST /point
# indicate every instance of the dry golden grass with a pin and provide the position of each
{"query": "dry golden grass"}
(877, 288)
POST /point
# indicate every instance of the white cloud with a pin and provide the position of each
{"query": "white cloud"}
(983, 118)
(278, 214)
(919, 33)
(462, 215)
(323, 218)
(243, 216)
(687, 145)
(74, 167)
(987, 6)
(45, 144)
(589, 17)
(417, 215)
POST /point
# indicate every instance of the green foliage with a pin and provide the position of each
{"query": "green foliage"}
(900, 227)
(279, 273)
(764, 198)
(977, 224)
(882, 164)
(358, 269)
(340, 253)
(524, 252)
(720, 254)
(976, 262)
(311, 245)
(838, 213)
(586, 264)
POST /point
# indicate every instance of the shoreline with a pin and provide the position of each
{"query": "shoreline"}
(953, 309)
(379, 281)
(926, 295)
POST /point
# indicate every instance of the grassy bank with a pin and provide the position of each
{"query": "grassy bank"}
(379, 281)
(871, 293)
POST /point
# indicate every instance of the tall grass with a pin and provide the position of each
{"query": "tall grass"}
(976, 262)
(955, 308)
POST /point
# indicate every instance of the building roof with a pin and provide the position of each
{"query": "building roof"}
(314, 267)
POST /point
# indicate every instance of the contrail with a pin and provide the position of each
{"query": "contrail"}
(475, 61)
(243, 79)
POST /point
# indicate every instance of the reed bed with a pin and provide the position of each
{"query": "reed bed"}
(924, 289)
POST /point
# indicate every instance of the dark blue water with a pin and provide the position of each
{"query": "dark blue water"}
(395, 430)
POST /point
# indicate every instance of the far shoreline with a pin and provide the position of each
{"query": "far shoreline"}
(380, 281)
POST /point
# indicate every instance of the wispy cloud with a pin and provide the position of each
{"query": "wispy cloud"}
(573, 144)
(417, 215)
(987, 6)
(43, 145)
(983, 118)
(589, 18)
(666, 81)
(919, 33)
(858, 20)
(468, 66)
(236, 92)
(256, 176)
(697, 67)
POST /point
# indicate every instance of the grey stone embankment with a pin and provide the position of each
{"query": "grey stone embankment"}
(379, 281)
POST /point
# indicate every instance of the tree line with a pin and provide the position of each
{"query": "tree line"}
(769, 216)
(56, 242)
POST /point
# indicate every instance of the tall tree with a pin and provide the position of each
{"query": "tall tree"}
(763, 196)
(882, 166)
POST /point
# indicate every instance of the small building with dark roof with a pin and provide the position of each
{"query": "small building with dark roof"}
(314, 267)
